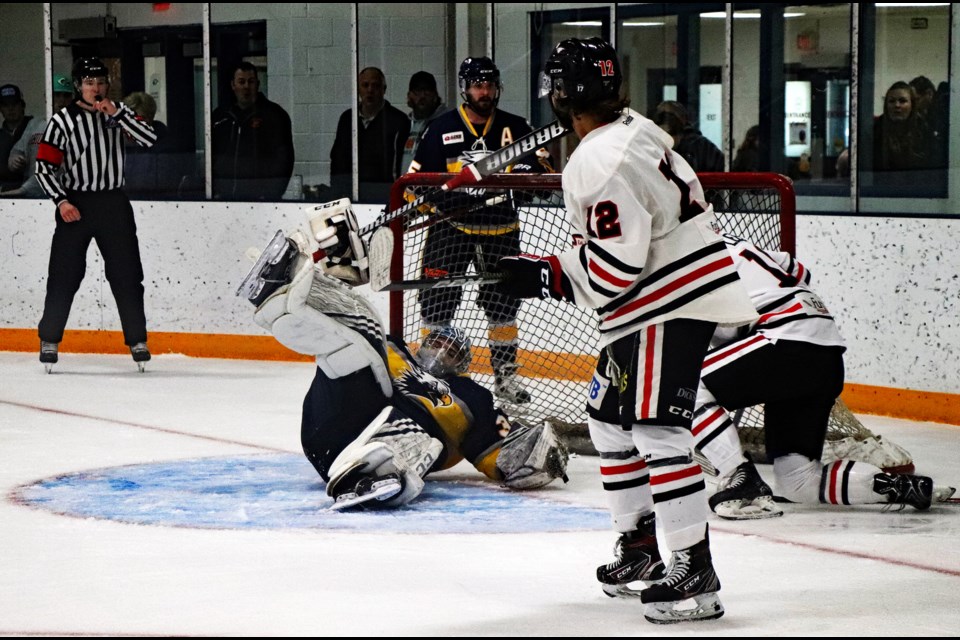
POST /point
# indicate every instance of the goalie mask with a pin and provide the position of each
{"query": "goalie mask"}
(445, 352)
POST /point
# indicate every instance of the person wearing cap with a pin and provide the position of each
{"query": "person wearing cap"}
(425, 105)
(24, 152)
(382, 132)
(13, 109)
(697, 150)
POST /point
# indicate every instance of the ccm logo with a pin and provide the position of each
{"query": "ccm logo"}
(677, 411)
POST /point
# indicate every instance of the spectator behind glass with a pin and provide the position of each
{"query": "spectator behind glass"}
(23, 156)
(930, 109)
(901, 140)
(13, 108)
(252, 143)
(149, 171)
(698, 151)
(748, 154)
(425, 105)
(382, 132)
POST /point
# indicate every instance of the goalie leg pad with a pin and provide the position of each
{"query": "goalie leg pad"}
(531, 457)
(392, 446)
(320, 316)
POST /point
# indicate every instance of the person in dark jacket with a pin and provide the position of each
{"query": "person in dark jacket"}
(698, 151)
(382, 132)
(252, 143)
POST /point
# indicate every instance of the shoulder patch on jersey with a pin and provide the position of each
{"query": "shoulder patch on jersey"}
(414, 382)
(453, 137)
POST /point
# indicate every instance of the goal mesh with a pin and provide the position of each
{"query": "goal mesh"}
(556, 340)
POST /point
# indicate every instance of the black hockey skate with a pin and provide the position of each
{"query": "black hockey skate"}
(638, 558)
(271, 270)
(691, 576)
(916, 491)
(743, 495)
(49, 354)
(141, 355)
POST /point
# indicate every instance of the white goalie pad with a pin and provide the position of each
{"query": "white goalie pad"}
(532, 457)
(874, 450)
(386, 463)
(321, 316)
(335, 228)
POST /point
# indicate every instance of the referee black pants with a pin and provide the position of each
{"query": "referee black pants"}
(107, 217)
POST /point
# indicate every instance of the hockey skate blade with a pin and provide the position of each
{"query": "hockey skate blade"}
(48, 366)
(755, 509)
(252, 284)
(622, 590)
(705, 606)
(381, 490)
(943, 494)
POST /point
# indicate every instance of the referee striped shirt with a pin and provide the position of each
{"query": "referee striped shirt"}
(84, 150)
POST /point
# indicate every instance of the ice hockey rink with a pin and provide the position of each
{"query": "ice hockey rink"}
(176, 502)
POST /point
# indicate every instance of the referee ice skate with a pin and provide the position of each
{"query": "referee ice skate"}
(80, 167)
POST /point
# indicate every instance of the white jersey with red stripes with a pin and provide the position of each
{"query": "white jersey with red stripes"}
(779, 287)
(648, 247)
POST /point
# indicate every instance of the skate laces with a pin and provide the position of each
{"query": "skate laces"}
(679, 569)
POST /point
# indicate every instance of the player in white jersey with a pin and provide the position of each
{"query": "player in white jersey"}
(652, 264)
(791, 361)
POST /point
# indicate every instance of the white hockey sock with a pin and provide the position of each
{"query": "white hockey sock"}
(624, 473)
(800, 479)
(716, 436)
(676, 482)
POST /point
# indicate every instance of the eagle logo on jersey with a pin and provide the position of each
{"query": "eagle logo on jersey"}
(419, 383)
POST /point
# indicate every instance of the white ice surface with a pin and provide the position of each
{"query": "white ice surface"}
(816, 571)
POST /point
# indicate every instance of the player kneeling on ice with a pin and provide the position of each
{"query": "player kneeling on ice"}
(377, 418)
(790, 360)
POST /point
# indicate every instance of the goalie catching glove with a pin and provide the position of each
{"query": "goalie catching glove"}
(532, 457)
(527, 276)
(342, 252)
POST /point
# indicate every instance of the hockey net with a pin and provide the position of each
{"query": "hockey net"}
(557, 341)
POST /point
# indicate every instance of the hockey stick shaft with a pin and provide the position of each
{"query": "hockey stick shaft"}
(476, 171)
(448, 281)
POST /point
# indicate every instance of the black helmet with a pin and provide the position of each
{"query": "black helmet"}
(479, 69)
(88, 68)
(582, 73)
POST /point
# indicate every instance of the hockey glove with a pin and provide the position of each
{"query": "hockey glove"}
(528, 276)
(531, 457)
(343, 253)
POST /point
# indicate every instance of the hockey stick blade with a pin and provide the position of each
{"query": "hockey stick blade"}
(448, 281)
(474, 172)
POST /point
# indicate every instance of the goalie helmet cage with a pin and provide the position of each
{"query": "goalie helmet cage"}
(557, 341)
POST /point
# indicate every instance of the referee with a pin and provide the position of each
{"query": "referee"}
(80, 167)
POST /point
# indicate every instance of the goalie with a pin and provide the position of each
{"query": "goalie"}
(795, 335)
(377, 418)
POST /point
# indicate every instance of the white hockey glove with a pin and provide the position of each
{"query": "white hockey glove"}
(532, 457)
(334, 225)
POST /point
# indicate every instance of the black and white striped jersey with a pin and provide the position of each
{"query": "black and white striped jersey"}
(84, 150)
(650, 249)
(779, 286)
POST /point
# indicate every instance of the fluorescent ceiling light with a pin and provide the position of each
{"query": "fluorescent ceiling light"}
(916, 5)
(643, 24)
(744, 14)
(583, 23)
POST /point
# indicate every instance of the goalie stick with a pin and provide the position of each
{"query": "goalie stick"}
(476, 171)
(380, 252)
